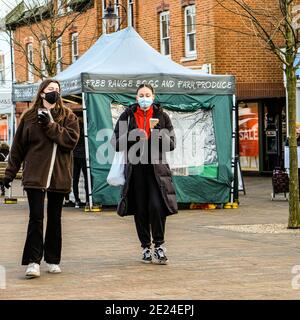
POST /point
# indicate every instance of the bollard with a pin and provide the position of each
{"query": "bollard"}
(93, 208)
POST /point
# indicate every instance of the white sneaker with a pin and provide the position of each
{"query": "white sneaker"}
(53, 268)
(159, 255)
(146, 255)
(33, 270)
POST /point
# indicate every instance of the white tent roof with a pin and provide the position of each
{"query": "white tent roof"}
(120, 61)
(123, 52)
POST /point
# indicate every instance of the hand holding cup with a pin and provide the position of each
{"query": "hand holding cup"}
(153, 122)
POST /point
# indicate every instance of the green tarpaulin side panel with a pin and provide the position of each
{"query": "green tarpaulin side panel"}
(99, 117)
(222, 116)
(202, 189)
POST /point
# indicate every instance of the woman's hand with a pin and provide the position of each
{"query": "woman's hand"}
(43, 118)
(157, 126)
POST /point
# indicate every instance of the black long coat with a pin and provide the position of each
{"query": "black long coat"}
(161, 170)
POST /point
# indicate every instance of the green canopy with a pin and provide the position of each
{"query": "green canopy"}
(214, 182)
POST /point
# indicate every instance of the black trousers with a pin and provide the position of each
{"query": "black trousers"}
(34, 245)
(150, 209)
(78, 165)
(2, 189)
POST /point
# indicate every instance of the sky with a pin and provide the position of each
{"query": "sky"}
(6, 6)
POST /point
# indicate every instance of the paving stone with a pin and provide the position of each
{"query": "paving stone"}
(101, 254)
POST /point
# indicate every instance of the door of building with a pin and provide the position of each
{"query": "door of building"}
(273, 133)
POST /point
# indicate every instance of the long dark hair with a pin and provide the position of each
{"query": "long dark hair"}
(59, 111)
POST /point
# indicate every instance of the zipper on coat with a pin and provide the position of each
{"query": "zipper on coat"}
(145, 119)
(51, 165)
(52, 158)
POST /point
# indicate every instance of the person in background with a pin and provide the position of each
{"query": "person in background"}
(68, 202)
(44, 140)
(4, 151)
(79, 165)
(297, 135)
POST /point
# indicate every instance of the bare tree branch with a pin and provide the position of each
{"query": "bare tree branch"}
(44, 23)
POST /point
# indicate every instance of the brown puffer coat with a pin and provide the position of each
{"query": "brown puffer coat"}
(33, 146)
(161, 170)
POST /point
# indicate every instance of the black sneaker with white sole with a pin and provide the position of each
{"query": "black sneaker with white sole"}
(79, 204)
(146, 255)
(159, 256)
(69, 203)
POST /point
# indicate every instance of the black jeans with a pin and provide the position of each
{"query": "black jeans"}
(78, 165)
(34, 245)
(150, 209)
(2, 189)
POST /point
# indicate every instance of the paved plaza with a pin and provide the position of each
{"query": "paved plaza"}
(208, 260)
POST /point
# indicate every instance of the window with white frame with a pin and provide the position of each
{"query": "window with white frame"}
(190, 30)
(60, 7)
(74, 45)
(165, 33)
(58, 55)
(43, 58)
(2, 68)
(69, 9)
(63, 7)
(130, 11)
(117, 12)
(30, 75)
(103, 13)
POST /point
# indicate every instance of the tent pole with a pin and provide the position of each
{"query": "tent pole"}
(13, 107)
(87, 151)
(233, 156)
(237, 164)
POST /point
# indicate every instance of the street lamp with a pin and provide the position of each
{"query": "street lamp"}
(111, 18)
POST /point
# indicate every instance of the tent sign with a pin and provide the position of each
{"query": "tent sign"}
(162, 84)
(169, 84)
(28, 92)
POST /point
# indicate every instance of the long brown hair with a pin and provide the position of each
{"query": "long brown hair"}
(145, 85)
(59, 112)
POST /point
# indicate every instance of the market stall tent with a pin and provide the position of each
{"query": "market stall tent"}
(108, 74)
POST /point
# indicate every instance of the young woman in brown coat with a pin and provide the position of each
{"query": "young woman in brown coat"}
(44, 140)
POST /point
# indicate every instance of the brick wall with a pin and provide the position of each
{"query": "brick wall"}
(88, 32)
(258, 72)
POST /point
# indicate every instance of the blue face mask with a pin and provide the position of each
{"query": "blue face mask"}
(145, 102)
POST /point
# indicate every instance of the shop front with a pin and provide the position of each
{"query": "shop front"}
(262, 134)
(5, 117)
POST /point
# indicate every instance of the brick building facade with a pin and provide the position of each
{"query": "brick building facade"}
(197, 34)
(258, 72)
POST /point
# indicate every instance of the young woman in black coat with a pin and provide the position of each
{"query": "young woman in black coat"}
(148, 192)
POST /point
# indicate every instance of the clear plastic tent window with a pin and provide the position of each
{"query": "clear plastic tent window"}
(196, 152)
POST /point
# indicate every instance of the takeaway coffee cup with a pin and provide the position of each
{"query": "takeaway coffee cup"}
(153, 122)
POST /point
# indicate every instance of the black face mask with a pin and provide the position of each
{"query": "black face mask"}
(52, 97)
